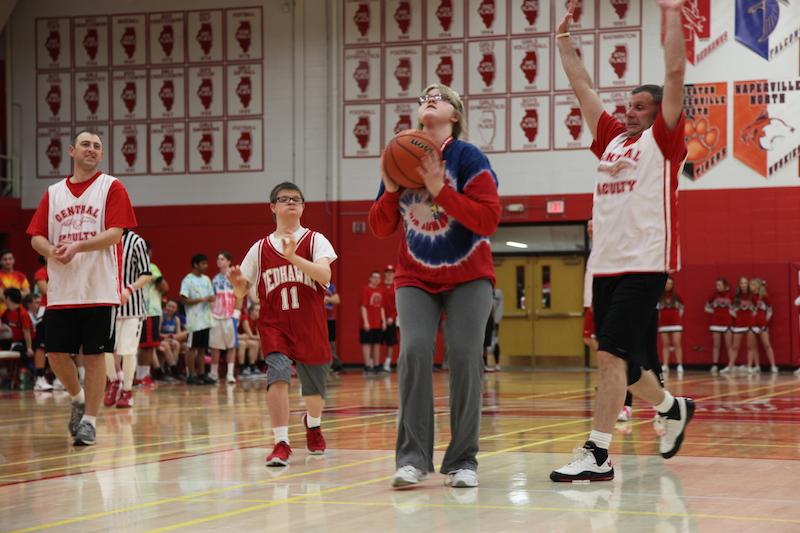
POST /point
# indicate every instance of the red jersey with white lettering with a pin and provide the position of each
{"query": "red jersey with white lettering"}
(744, 310)
(18, 320)
(670, 310)
(292, 320)
(763, 312)
(635, 200)
(718, 306)
(372, 301)
(72, 212)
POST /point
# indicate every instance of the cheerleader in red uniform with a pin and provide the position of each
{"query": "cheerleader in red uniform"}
(743, 312)
(719, 307)
(758, 288)
(670, 326)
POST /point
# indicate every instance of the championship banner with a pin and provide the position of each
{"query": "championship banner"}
(168, 148)
(205, 91)
(206, 147)
(530, 16)
(53, 44)
(244, 90)
(486, 119)
(570, 131)
(766, 125)
(362, 130)
(91, 96)
(620, 59)
(167, 93)
(245, 146)
(362, 74)
(244, 34)
(167, 32)
(530, 64)
(530, 123)
(399, 117)
(584, 44)
(130, 150)
(403, 71)
(706, 108)
(444, 19)
(129, 94)
(403, 20)
(487, 18)
(128, 40)
(621, 13)
(204, 36)
(487, 67)
(768, 27)
(54, 97)
(52, 159)
(445, 65)
(362, 21)
(91, 42)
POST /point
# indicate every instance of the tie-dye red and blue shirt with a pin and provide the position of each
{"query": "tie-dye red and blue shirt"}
(446, 238)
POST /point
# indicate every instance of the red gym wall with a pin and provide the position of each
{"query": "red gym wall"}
(725, 233)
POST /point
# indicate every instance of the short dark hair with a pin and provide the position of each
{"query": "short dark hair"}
(198, 258)
(85, 130)
(14, 295)
(656, 91)
(4, 252)
(285, 186)
(28, 299)
(226, 254)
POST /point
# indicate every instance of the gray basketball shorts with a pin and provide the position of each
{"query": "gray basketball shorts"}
(313, 378)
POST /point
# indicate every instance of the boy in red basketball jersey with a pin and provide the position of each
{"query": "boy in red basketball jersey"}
(290, 271)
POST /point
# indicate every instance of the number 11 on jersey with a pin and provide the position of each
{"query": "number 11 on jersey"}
(286, 292)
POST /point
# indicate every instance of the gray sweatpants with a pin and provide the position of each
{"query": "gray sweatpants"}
(467, 309)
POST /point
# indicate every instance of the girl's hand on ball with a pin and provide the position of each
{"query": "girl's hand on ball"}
(388, 183)
(432, 170)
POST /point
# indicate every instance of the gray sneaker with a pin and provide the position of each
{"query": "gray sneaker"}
(85, 435)
(75, 417)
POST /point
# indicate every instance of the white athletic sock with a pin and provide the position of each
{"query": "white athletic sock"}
(601, 440)
(313, 422)
(281, 433)
(91, 419)
(81, 373)
(80, 397)
(128, 371)
(666, 403)
(230, 368)
(214, 371)
(120, 376)
(111, 371)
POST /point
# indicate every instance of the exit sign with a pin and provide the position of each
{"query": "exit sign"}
(555, 207)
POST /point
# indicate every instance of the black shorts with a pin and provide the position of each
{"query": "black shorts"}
(150, 338)
(331, 330)
(199, 339)
(371, 336)
(390, 335)
(625, 319)
(41, 333)
(86, 330)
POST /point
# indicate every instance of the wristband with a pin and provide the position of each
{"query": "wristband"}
(559, 35)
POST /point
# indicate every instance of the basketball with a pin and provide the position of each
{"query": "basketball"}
(403, 155)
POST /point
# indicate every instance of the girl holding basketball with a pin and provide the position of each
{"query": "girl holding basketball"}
(444, 266)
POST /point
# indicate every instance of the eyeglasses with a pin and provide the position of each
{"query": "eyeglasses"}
(425, 98)
(288, 199)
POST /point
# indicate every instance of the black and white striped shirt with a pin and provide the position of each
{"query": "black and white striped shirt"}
(135, 262)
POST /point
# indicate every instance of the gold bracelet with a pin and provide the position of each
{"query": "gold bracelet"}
(559, 35)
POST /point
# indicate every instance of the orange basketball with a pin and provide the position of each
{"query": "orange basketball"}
(403, 155)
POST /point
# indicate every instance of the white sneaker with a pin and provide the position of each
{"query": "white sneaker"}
(230, 380)
(673, 436)
(727, 370)
(57, 385)
(680, 370)
(665, 369)
(624, 415)
(659, 425)
(774, 369)
(584, 467)
(42, 384)
(408, 475)
(714, 370)
(463, 478)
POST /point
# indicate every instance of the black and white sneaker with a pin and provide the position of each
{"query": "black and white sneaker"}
(673, 436)
(75, 417)
(584, 467)
(85, 436)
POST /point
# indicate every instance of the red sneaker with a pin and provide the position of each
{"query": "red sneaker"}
(280, 454)
(147, 381)
(125, 399)
(112, 393)
(315, 442)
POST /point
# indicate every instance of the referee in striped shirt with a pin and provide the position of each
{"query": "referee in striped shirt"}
(130, 315)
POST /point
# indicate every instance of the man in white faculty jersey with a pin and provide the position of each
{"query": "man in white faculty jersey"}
(77, 228)
(635, 240)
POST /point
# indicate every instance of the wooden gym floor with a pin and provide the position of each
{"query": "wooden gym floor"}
(192, 458)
